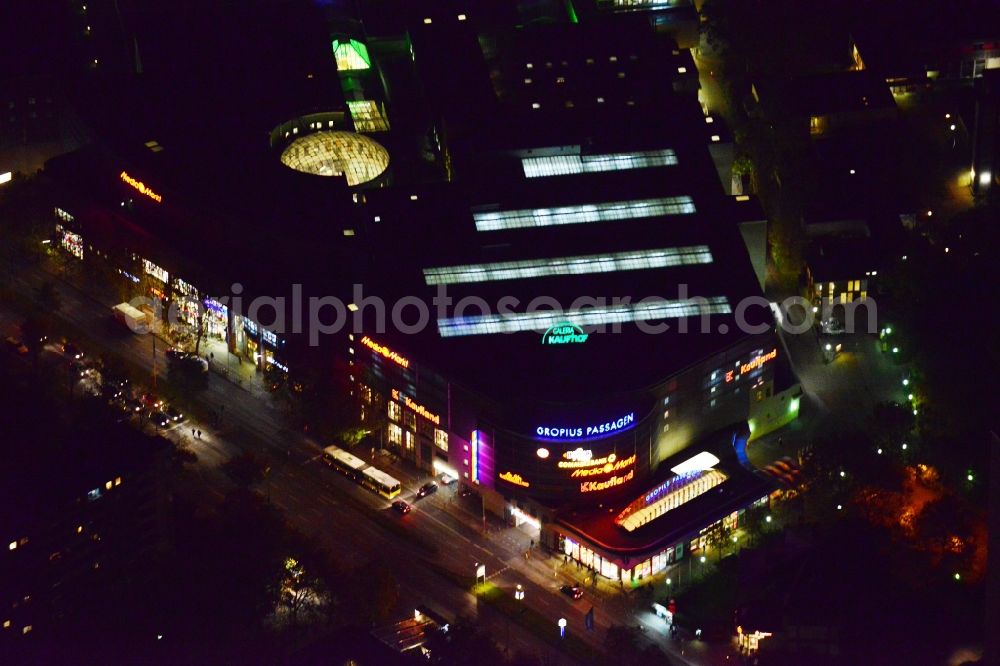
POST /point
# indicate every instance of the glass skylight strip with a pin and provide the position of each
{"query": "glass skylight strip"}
(567, 165)
(517, 322)
(496, 220)
(595, 263)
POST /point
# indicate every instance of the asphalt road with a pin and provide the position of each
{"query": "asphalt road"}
(319, 501)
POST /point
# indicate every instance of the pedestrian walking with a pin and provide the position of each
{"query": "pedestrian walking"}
(192, 432)
(199, 434)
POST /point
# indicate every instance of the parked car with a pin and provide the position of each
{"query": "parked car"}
(159, 418)
(78, 369)
(572, 591)
(15, 345)
(174, 415)
(151, 401)
(174, 354)
(402, 507)
(72, 351)
(131, 406)
(465, 491)
(447, 479)
(427, 489)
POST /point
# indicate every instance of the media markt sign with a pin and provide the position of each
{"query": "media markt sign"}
(564, 334)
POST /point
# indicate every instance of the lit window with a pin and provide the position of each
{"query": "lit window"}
(6, 624)
(560, 79)
(613, 59)
(413, 197)
(79, 529)
(599, 316)
(395, 434)
(565, 165)
(590, 61)
(536, 105)
(600, 100)
(351, 55)
(118, 480)
(709, 119)
(682, 70)
(109, 485)
(441, 439)
(584, 213)
(367, 116)
(530, 66)
(394, 410)
(12, 546)
(578, 265)
(461, 17)
(353, 307)
(348, 232)
(527, 80)
(427, 21)
(621, 75)
(27, 629)
(715, 138)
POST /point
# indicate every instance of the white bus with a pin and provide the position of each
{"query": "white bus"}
(346, 463)
(380, 482)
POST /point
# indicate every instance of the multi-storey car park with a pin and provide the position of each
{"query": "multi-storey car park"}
(600, 370)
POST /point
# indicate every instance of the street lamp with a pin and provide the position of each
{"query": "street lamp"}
(562, 627)
(519, 592)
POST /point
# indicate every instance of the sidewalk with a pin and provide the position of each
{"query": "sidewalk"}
(241, 373)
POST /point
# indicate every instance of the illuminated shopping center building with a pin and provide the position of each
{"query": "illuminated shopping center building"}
(573, 169)
(623, 448)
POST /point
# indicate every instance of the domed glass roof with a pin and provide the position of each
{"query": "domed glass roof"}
(357, 157)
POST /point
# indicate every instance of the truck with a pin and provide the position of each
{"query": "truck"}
(135, 319)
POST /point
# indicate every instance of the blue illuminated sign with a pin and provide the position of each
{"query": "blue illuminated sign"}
(583, 432)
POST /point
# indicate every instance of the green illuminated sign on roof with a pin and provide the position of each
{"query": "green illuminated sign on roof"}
(564, 334)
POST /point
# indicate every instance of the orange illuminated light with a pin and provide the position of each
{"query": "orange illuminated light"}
(516, 479)
(753, 364)
(140, 187)
(419, 409)
(385, 352)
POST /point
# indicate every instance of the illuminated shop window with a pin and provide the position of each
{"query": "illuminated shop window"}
(609, 569)
(367, 116)
(441, 439)
(154, 270)
(366, 393)
(564, 165)
(578, 265)
(409, 438)
(351, 55)
(394, 411)
(395, 434)
(539, 321)
(63, 215)
(583, 213)
(409, 420)
(69, 241)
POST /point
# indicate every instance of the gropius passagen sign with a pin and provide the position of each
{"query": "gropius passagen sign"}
(584, 431)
